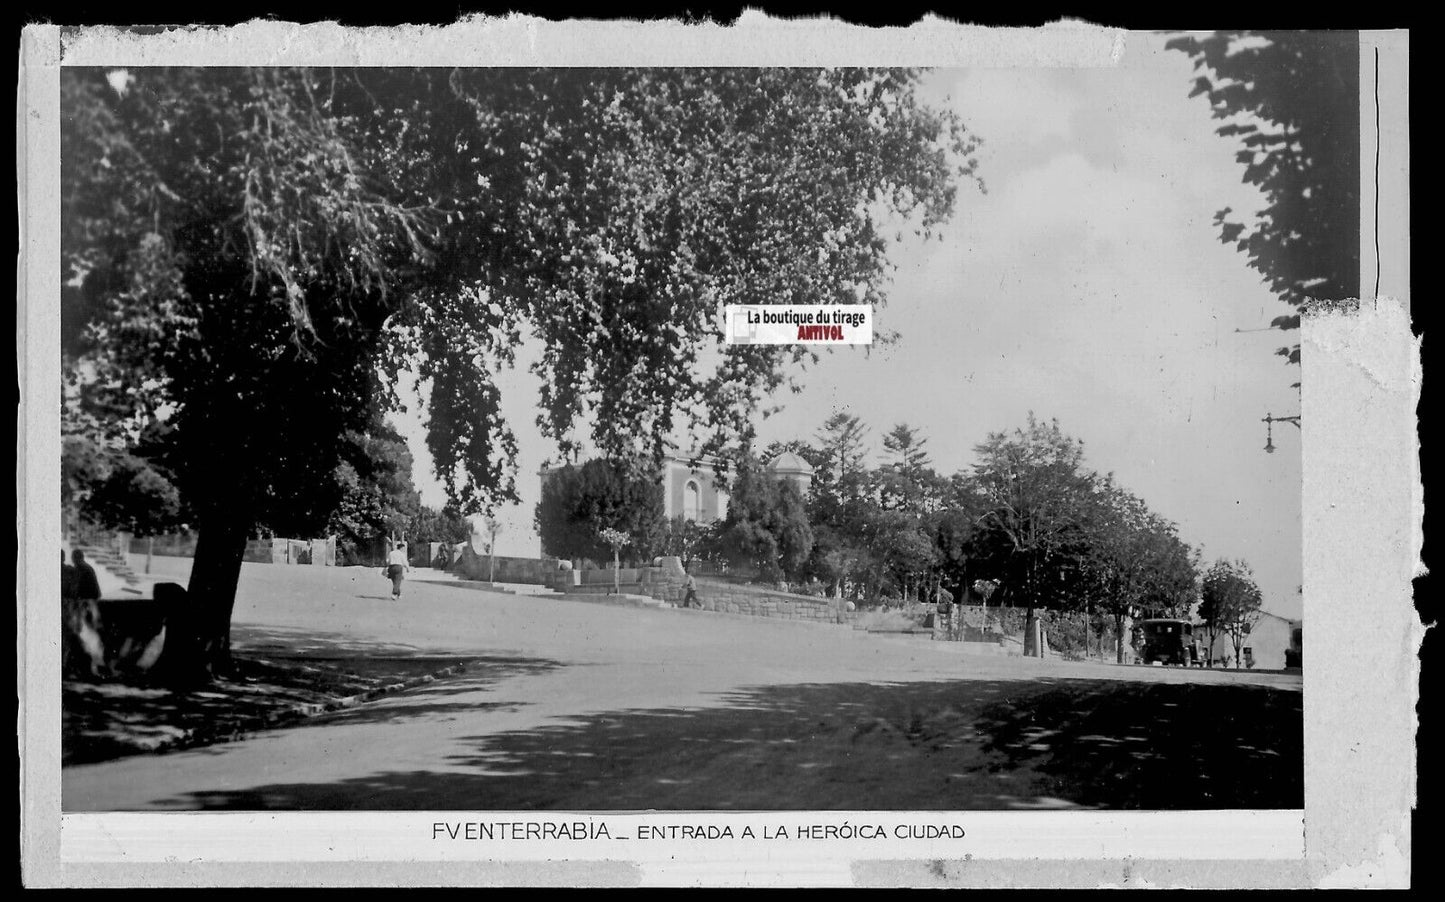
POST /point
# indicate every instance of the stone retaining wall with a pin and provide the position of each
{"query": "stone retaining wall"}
(667, 583)
(757, 601)
(525, 570)
(174, 545)
(976, 623)
(316, 552)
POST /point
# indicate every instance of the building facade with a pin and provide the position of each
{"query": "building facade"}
(1266, 645)
(789, 467)
(691, 490)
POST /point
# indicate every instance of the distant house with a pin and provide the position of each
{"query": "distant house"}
(790, 467)
(1265, 646)
(690, 489)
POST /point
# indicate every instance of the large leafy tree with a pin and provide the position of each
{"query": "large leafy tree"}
(1134, 563)
(259, 255)
(578, 502)
(690, 541)
(902, 553)
(134, 496)
(955, 531)
(1291, 98)
(378, 498)
(1036, 495)
(118, 485)
(766, 527)
(446, 525)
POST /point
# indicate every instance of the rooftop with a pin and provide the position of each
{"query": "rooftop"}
(790, 463)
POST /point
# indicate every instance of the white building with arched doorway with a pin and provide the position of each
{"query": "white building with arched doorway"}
(691, 489)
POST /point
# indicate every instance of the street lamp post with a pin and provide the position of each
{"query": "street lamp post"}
(1269, 421)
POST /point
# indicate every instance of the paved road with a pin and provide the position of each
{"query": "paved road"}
(587, 706)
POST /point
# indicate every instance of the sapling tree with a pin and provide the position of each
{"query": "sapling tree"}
(617, 540)
(1230, 604)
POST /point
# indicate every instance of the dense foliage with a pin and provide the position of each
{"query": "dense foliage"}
(1292, 99)
(1028, 525)
(378, 500)
(766, 528)
(579, 502)
(257, 257)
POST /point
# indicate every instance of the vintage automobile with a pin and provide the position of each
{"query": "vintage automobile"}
(1166, 641)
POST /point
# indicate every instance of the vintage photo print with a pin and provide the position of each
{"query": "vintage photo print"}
(784, 454)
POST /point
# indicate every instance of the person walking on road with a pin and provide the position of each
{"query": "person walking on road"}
(689, 600)
(396, 567)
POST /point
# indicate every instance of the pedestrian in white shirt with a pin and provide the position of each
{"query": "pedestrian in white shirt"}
(396, 567)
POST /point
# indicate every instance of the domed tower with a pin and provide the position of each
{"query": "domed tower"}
(789, 466)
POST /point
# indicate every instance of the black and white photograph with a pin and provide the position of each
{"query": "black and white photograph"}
(533, 445)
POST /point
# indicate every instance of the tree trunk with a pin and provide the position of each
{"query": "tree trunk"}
(198, 626)
(1031, 634)
(1119, 638)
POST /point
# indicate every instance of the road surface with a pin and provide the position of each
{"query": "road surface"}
(587, 706)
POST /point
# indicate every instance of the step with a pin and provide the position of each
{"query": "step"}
(622, 598)
(484, 585)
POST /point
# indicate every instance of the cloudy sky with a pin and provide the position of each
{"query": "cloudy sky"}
(1088, 285)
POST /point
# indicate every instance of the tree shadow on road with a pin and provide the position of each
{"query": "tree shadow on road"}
(946, 745)
(279, 677)
(289, 642)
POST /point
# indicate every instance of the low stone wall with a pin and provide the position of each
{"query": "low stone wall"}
(525, 570)
(976, 623)
(667, 582)
(174, 545)
(626, 576)
(317, 552)
(649, 581)
(757, 601)
(264, 551)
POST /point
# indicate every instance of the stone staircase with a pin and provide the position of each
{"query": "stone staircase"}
(533, 591)
(526, 589)
(114, 564)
